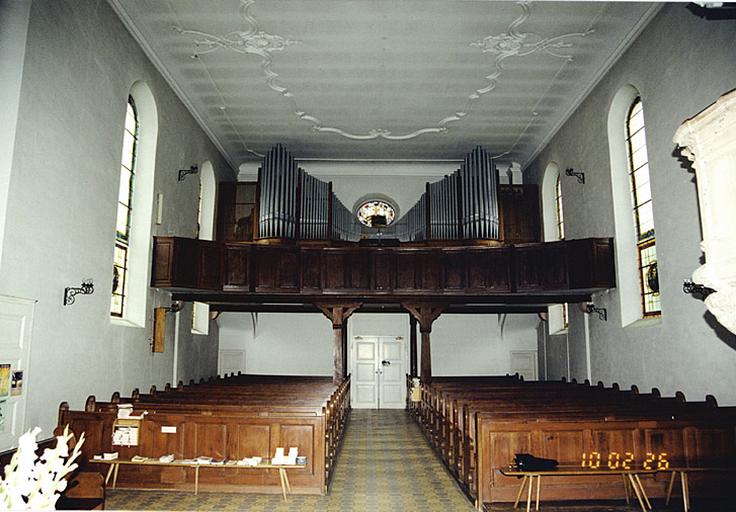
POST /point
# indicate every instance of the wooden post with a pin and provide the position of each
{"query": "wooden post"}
(344, 332)
(412, 346)
(425, 313)
(338, 314)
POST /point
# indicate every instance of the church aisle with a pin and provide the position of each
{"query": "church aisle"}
(385, 465)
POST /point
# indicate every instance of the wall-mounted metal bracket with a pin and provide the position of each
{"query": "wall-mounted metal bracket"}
(86, 288)
(580, 175)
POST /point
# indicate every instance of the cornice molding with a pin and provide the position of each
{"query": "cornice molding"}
(159, 65)
(637, 29)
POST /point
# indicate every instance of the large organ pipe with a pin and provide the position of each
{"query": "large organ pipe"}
(293, 204)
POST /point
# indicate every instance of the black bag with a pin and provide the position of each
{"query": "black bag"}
(527, 462)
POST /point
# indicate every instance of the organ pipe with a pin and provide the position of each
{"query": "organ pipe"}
(294, 204)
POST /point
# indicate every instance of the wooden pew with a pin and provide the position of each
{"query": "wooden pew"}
(466, 419)
(239, 416)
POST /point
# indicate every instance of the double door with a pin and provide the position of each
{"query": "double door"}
(378, 372)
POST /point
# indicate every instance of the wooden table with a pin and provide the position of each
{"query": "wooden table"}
(629, 476)
(683, 471)
(115, 467)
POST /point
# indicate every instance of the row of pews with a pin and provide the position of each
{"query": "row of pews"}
(228, 418)
(477, 425)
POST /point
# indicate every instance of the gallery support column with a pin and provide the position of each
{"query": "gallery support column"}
(425, 313)
(412, 346)
(338, 315)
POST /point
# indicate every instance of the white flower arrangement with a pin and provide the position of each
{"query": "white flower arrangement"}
(35, 484)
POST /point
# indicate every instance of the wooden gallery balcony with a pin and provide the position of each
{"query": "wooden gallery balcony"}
(256, 277)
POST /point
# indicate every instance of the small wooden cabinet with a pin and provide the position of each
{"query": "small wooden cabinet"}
(519, 214)
(237, 211)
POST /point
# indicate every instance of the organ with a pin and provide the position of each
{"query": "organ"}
(293, 205)
(288, 239)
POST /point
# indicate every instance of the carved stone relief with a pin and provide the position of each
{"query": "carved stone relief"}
(708, 141)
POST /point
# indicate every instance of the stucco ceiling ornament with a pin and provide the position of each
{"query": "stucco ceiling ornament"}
(511, 43)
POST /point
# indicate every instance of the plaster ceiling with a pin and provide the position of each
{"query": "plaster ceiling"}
(382, 79)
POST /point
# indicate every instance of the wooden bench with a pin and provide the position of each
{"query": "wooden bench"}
(477, 424)
(224, 425)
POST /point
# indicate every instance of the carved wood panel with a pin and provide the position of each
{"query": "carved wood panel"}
(237, 265)
(384, 270)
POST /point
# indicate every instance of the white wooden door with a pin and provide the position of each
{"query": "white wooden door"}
(364, 374)
(392, 393)
(378, 372)
(16, 324)
(524, 362)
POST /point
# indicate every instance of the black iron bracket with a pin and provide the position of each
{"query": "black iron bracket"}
(87, 288)
(602, 312)
(580, 175)
(184, 172)
(696, 289)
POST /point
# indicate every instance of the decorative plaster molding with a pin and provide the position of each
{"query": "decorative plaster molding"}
(511, 43)
(583, 93)
(707, 140)
(520, 44)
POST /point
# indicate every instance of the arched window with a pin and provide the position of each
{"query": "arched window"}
(558, 209)
(641, 198)
(134, 208)
(121, 259)
(554, 229)
(637, 283)
(205, 229)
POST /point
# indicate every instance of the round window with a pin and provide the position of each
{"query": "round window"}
(376, 213)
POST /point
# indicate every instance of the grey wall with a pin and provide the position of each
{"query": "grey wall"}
(301, 344)
(680, 64)
(80, 63)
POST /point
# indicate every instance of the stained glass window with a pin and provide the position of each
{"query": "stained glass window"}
(641, 199)
(558, 205)
(125, 209)
(376, 213)
(561, 236)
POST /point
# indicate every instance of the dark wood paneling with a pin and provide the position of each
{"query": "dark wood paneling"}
(311, 270)
(519, 213)
(209, 276)
(333, 270)
(454, 265)
(237, 267)
(406, 269)
(567, 267)
(384, 270)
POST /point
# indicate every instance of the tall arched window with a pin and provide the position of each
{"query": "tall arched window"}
(121, 259)
(130, 279)
(641, 198)
(558, 209)
(205, 231)
(636, 270)
(554, 229)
